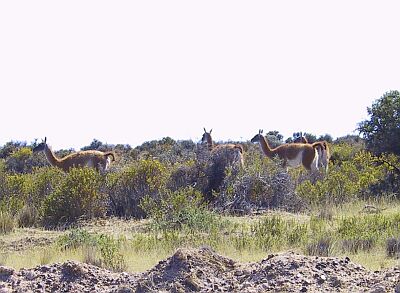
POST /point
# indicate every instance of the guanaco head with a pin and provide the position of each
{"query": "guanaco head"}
(257, 137)
(40, 147)
(206, 136)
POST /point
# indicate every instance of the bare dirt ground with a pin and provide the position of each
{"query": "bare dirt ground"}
(202, 270)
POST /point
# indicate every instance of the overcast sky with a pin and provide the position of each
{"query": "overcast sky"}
(132, 71)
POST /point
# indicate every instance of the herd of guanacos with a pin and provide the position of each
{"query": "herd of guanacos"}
(300, 153)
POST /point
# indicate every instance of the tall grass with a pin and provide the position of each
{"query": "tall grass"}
(7, 222)
(243, 239)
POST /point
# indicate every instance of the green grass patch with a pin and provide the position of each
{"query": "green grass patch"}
(361, 236)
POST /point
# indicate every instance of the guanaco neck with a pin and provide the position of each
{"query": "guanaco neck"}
(210, 143)
(265, 146)
(53, 160)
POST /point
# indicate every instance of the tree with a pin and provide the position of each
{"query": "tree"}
(274, 138)
(94, 145)
(382, 131)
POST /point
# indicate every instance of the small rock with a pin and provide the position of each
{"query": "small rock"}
(44, 269)
(335, 282)
(320, 278)
(303, 289)
(5, 272)
(378, 289)
(192, 283)
(29, 275)
(397, 288)
(124, 289)
(238, 273)
(72, 270)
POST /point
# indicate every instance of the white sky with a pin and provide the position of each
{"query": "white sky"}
(132, 71)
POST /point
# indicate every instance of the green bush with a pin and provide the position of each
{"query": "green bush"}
(23, 194)
(17, 162)
(13, 193)
(346, 181)
(178, 209)
(129, 186)
(166, 150)
(77, 196)
(41, 183)
(110, 253)
(7, 222)
(106, 246)
(322, 247)
(370, 227)
(28, 216)
(76, 238)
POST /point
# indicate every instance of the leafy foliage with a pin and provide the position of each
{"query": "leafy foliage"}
(7, 222)
(347, 181)
(127, 188)
(108, 247)
(175, 209)
(78, 195)
(161, 173)
(382, 131)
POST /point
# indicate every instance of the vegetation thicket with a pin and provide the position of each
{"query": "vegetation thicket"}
(173, 183)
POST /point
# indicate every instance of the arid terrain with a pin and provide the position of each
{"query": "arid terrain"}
(202, 270)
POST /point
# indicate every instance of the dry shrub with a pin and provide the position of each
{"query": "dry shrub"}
(263, 184)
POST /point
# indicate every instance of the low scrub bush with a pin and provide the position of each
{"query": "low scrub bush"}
(111, 256)
(268, 232)
(179, 209)
(190, 173)
(393, 247)
(23, 194)
(263, 184)
(7, 222)
(355, 245)
(128, 187)
(345, 182)
(366, 232)
(41, 183)
(14, 193)
(20, 161)
(322, 247)
(101, 250)
(77, 196)
(166, 150)
(76, 238)
(28, 216)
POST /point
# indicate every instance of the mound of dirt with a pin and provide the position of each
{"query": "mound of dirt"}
(202, 270)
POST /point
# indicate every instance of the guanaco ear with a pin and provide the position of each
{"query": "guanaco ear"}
(260, 131)
(204, 129)
(45, 138)
(210, 131)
